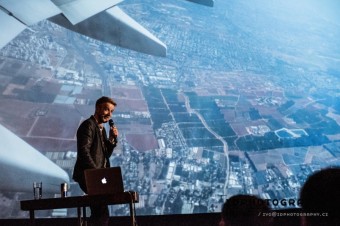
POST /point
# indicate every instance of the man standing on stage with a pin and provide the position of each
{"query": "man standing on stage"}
(94, 150)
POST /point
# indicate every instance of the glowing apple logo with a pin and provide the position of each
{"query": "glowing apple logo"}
(104, 181)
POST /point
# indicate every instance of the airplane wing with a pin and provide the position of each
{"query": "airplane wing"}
(115, 27)
(21, 165)
(203, 2)
(101, 20)
(12, 27)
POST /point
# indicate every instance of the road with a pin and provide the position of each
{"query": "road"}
(225, 144)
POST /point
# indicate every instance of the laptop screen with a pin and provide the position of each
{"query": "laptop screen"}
(104, 181)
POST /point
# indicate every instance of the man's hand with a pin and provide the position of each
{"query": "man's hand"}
(113, 134)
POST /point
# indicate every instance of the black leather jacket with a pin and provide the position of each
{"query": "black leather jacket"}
(93, 150)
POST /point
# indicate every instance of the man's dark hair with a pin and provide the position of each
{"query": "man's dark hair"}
(321, 195)
(247, 210)
(105, 99)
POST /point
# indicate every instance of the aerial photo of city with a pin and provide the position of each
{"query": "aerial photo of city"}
(247, 100)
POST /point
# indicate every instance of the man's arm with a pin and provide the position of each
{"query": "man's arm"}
(85, 138)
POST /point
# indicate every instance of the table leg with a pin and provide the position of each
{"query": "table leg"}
(79, 216)
(32, 218)
(84, 216)
(132, 215)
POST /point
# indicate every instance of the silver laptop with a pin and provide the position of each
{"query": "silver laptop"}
(104, 181)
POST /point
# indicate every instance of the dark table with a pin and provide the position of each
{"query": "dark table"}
(79, 202)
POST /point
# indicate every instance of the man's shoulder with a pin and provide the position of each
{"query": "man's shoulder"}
(91, 119)
(90, 122)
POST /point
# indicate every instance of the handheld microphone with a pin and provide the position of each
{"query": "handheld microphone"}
(112, 124)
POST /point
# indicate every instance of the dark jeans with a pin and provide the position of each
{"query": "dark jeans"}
(99, 214)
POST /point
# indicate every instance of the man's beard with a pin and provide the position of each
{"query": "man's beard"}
(104, 118)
